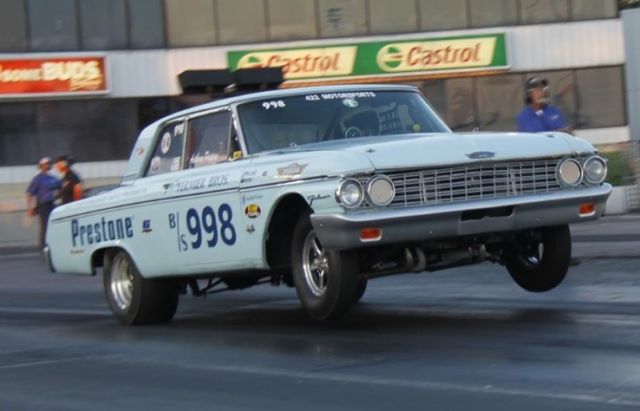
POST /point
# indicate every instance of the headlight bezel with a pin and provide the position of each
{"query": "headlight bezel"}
(340, 197)
(560, 178)
(585, 168)
(374, 179)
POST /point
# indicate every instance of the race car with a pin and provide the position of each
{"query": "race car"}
(323, 189)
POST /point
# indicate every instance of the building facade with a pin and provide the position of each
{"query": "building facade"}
(84, 76)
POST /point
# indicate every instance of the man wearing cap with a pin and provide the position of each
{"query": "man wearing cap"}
(539, 114)
(41, 195)
(71, 184)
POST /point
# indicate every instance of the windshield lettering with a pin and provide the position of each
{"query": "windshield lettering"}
(292, 122)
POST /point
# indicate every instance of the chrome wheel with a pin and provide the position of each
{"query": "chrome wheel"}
(315, 265)
(122, 282)
(530, 248)
(326, 280)
(535, 256)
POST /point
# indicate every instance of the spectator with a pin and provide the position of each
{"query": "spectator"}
(41, 195)
(71, 184)
(539, 114)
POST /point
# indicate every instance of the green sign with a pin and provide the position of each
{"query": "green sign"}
(448, 54)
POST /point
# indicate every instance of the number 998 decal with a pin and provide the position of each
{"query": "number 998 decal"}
(204, 227)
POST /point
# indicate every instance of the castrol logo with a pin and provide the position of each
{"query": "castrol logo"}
(433, 55)
(304, 63)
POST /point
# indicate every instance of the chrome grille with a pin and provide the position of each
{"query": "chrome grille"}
(473, 182)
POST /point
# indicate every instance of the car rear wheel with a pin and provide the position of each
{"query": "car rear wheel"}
(326, 281)
(135, 300)
(538, 261)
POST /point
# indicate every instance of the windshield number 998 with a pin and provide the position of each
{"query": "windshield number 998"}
(270, 105)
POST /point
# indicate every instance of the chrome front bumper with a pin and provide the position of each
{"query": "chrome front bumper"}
(411, 224)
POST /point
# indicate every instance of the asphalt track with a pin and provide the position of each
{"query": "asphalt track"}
(459, 339)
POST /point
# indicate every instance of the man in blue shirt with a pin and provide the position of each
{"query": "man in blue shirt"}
(41, 195)
(539, 114)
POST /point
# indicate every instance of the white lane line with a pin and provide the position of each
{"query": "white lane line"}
(404, 383)
(45, 362)
(63, 311)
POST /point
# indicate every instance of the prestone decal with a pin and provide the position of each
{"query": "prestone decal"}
(100, 231)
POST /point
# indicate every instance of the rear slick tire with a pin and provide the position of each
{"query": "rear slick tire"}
(538, 261)
(135, 300)
(326, 281)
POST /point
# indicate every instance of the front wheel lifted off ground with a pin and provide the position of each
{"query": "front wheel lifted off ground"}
(326, 281)
(539, 260)
(135, 300)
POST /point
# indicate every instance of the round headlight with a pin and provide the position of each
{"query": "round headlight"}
(595, 170)
(350, 193)
(380, 191)
(569, 173)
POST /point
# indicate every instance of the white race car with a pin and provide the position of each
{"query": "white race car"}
(324, 189)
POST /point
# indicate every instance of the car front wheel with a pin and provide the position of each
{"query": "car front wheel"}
(326, 281)
(135, 300)
(539, 260)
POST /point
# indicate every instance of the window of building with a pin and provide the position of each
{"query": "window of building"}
(340, 18)
(292, 19)
(90, 130)
(398, 17)
(600, 93)
(103, 24)
(209, 138)
(154, 108)
(499, 99)
(53, 25)
(190, 23)
(487, 13)
(17, 130)
(237, 25)
(628, 4)
(453, 99)
(167, 156)
(146, 24)
(13, 30)
(443, 14)
(593, 9)
(543, 11)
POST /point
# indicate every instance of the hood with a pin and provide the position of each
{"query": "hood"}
(363, 155)
(411, 151)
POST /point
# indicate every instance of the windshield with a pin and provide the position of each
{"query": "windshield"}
(293, 121)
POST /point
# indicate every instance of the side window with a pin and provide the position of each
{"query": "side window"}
(209, 138)
(167, 156)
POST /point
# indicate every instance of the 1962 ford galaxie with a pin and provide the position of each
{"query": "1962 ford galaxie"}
(324, 189)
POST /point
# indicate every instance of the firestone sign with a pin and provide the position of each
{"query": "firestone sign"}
(53, 76)
(406, 57)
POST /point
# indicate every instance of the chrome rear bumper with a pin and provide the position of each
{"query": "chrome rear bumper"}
(411, 224)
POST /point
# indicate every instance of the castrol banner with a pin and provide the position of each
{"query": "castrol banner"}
(403, 57)
(52, 76)
(300, 63)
